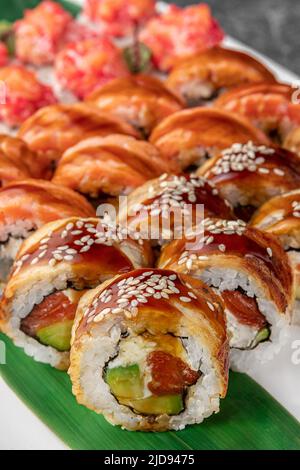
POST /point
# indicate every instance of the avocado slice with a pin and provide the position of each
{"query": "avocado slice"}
(261, 336)
(57, 335)
(125, 382)
(157, 405)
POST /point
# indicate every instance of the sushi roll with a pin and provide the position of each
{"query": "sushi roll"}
(164, 208)
(22, 95)
(27, 205)
(191, 136)
(280, 216)
(39, 34)
(118, 18)
(54, 267)
(141, 100)
(202, 77)
(149, 351)
(180, 32)
(252, 273)
(12, 168)
(269, 106)
(83, 66)
(248, 175)
(101, 167)
(54, 129)
(17, 161)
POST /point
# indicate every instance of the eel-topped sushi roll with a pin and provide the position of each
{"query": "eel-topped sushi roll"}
(149, 351)
(252, 273)
(280, 216)
(27, 205)
(54, 267)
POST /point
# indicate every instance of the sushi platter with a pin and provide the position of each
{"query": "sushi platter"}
(149, 232)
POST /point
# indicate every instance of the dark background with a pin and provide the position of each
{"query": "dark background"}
(270, 26)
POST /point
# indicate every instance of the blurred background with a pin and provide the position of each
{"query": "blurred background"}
(270, 26)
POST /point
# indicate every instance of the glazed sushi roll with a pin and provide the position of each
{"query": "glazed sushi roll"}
(149, 351)
(54, 129)
(191, 136)
(118, 18)
(252, 273)
(247, 175)
(202, 77)
(180, 32)
(12, 168)
(27, 205)
(141, 100)
(83, 66)
(17, 161)
(165, 208)
(54, 267)
(281, 217)
(100, 167)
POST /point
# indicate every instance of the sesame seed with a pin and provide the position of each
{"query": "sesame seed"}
(116, 310)
(191, 294)
(98, 317)
(68, 258)
(189, 263)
